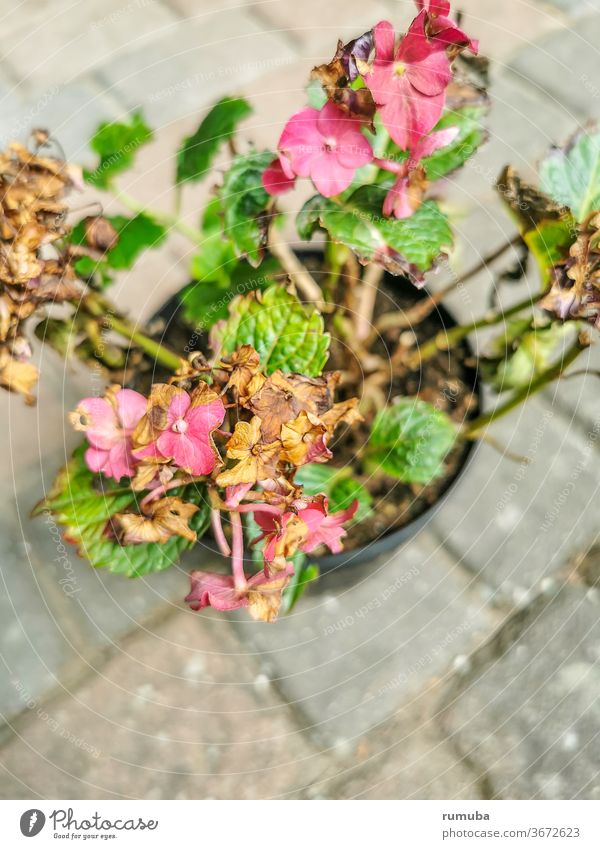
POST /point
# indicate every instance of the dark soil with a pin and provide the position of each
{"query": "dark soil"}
(447, 381)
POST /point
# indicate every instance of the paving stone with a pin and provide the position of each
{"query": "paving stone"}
(352, 654)
(70, 112)
(192, 65)
(72, 39)
(527, 715)
(565, 66)
(33, 651)
(518, 522)
(318, 27)
(181, 712)
(407, 758)
(576, 8)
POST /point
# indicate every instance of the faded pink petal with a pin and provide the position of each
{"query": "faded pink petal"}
(208, 589)
(275, 180)
(131, 406)
(325, 529)
(103, 427)
(96, 459)
(397, 201)
(329, 175)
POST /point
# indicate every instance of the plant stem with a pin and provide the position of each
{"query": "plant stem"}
(474, 428)
(300, 276)
(172, 221)
(237, 557)
(408, 318)
(217, 527)
(369, 287)
(99, 308)
(446, 339)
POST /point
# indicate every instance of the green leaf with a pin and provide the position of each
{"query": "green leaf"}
(522, 351)
(471, 135)
(338, 485)
(246, 205)
(135, 235)
(116, 143)
(219, 274)
(304, 573)
(196, 154)
(409, 441)
(84, 503)
(571, 175)
(309, 217)
(549, 242)
(287, 335)
(408, 245)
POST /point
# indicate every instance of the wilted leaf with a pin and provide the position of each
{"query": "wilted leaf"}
(409, 441)
(287, 335)
(197, 151)
(571, 175)
(85, 506)
(116, 143)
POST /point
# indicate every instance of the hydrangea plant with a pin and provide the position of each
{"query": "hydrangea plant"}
(241, 424)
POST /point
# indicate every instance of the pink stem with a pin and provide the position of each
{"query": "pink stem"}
(215, 518)
(258, 508)
(237, 558)
(388, 165)
(158, 492)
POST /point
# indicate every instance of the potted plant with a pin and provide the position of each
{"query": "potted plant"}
(289, 401)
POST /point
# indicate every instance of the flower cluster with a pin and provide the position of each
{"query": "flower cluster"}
(406, 82)
(32, 216)
(169, 440)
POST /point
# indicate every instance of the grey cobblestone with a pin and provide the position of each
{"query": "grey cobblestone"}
(516, 522)
(368, 643)
(565, 65)
(527, 715)
(190, 67)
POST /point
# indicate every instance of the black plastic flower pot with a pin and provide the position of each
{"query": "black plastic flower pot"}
(170, 328)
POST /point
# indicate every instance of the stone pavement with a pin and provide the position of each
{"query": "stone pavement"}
(465, 665)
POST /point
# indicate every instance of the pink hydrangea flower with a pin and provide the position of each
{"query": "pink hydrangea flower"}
(186, 436)
(324, 144)
(210, 589)
(408, 82)
(397, 200)
(323, 528)
(442, 28)
(108, 424)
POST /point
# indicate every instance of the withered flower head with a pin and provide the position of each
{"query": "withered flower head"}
(283, 396)
(165, 518)
(256, 457)
(575, 284)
